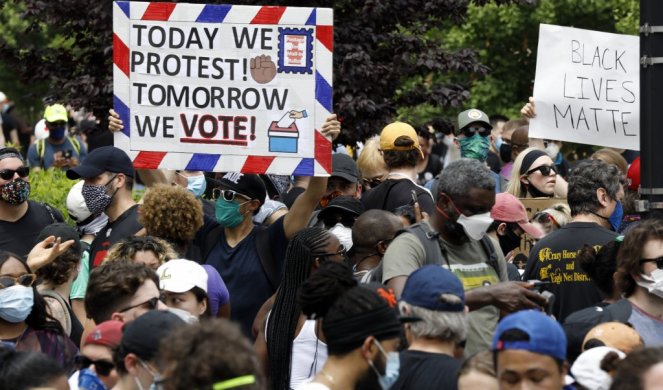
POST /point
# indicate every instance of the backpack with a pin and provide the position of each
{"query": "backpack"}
(41, 148)
(435, 252)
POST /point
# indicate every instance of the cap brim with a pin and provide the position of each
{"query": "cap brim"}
(83, 171)
(530, 229)
(176, 287)
(345, 176)
(330, 208)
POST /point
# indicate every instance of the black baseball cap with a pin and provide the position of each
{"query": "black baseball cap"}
(345, 203)
(100, 160)
(245, 184)
(62, 230)
(143, 335)
(344, 167)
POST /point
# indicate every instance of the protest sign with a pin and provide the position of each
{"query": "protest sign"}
(222, 87)
(587, 88)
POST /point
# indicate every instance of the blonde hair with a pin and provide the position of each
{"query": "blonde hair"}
(609, 156)
(516, 188)
(556, 216)
(370, 161)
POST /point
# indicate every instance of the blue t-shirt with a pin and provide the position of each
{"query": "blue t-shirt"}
(649, 328)
(242, 271)
(51, 149)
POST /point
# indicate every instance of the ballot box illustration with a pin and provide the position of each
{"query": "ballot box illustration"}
(283, 139)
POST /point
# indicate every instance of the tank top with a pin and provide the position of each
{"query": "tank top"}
(309, 354)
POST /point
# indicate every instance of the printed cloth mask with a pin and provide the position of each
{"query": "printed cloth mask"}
(509, 241)
(227, 213)
(57, 133)
(616, 217)
(197, 185)
(88, 380)
(653, 283)
(15, 192)
(553, 150)
(343, 233)
(97, 198)
(475, 147)
(391, 370)
(16, 303)
(505, 152)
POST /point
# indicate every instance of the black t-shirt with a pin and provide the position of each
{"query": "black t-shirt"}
(126, 225)
(553, 260)
(425, 370)
(8, 124)
(20, 236)
(493, 162)
(393, 193)
(433, 168)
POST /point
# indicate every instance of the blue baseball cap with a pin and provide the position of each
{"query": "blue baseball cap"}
(546, 336)
(430, 286)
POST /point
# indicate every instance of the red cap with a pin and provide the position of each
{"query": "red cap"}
(107, 334)
(508, 208)
(633, 175)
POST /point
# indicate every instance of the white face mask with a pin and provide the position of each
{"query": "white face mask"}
(344, 235)
(475, 226)
(653, 283)
(553, 150)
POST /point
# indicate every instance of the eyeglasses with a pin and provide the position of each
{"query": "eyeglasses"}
(150, 304)
(7, 174)
(228, 195)
(658, 261)
(470, 131)
(26, 280)
(341, 252)
(544, 169)
(101, 367)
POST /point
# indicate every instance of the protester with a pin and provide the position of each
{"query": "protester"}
(109, 176)
(121, 290)
(371, 165)
(552, 218)
(28, 370)
(95, 362)
(401, 151)
(58, 150)
(339, 217)
(592, 370)
(478, 372)
(344, 178)
(372, 233)
(9, 125)
(457, 227)
(497, 122)
(609, 156)
(434, 296)
(595, 190)
(431, 165)
(21, 219)
(137, 355)
(640, 370)
(533, 176)
(530, 349)
(509, 151)
(184, 284)
(148, 250)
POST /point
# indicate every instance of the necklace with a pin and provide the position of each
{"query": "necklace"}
(328, 377)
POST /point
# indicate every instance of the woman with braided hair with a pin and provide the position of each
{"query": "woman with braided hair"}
(293, 348)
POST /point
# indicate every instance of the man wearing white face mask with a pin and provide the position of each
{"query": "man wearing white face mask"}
(454, 238)
(339, 217)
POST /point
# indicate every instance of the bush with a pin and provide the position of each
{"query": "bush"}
(51, 186)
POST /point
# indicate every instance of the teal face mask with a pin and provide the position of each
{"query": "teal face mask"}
(227, 213)
(475, 147)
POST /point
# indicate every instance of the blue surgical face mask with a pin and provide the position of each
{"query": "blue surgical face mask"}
(227, 213)
(197, 185)
(391, 370)
(475, 147)
(57, 133)
(498, 143)
(16, 303)
(616, 217)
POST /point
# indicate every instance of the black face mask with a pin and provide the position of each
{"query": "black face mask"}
(509, 241)
(535, 191)
(505, 152)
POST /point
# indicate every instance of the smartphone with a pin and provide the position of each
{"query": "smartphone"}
(67, 154)
(414, 196)
(538, 284)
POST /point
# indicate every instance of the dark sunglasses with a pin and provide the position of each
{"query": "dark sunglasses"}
(374, 182)
(470, 131)
(227, 195)
(658, 261)
(101, 367)
(26, 280)
(345, 219)
(544, 169)
(150, 304)
(8, 174)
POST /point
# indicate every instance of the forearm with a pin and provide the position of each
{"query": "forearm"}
(479, 297)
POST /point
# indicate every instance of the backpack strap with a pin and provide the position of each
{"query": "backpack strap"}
(41, 149)
(50, 212)
(210, 240)
(620, 310)
(65, 306)
(265, 254)
(75, 144)
(489, 249)
(435, 254)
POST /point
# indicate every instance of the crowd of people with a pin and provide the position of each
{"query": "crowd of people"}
(415, 265)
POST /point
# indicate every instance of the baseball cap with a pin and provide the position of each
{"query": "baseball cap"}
(587, 368)
(508, 208)
(62, 230)
(394, 130)
(55, 113)
(546, 336)
(633, 175)
(143, 335)
(344, 167)
(107, 334)
(615, 335)
(180, 275)
(100, 160)
(346, 203)
(471, 116)
(429, 286)
(245, 184)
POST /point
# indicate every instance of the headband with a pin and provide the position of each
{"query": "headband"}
(529, 159)
(10, 153)
(344, 335)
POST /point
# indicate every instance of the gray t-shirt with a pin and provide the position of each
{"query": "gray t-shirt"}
(468, 262)
(649, 328)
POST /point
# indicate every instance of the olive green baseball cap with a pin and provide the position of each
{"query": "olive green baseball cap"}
(471, 116)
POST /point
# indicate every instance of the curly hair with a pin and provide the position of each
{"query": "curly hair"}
(630, 253)
(600, 265)
(172, 213)
(587, 177)
(631, 371)
(215, 351)
(127, 248)
(112, 285)
(61, 269)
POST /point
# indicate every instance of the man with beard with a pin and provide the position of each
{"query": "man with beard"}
(21, 219)
(466, 194)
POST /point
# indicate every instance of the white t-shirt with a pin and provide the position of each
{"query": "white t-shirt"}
(312, 386)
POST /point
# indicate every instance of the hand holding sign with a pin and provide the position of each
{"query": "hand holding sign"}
(263, 69)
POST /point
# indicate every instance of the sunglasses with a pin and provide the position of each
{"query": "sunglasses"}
(374, 182)
(470, 131)
(227, 195)
(345, 219)
(658, 261)
(542, 217)
(26, 280)
(150, 304)
(101, 367)
(544, 169)
(8, 174)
